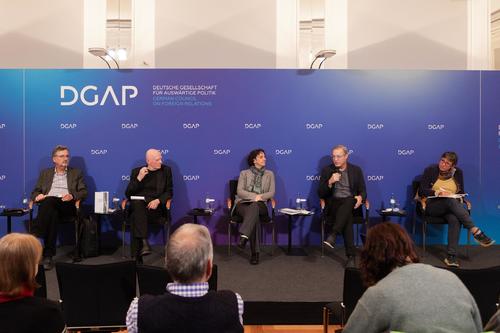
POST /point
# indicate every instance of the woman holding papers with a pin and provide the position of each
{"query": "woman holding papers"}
(442, 189)
(255, 187)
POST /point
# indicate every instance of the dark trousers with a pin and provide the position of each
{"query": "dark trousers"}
(140, 215)
(454, 212)
(339, 215)
(252, 213)
(51, 211)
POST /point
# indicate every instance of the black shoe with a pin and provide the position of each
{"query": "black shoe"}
(451, 261)
(482, 239)
(255, 259)
(48, 263)
(146, 248)
(243, 241)
(330, 241)
(351, 262)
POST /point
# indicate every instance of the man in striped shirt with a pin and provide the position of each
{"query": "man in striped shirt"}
(188, 305)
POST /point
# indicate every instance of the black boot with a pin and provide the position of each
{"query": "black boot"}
(243, 241)
(145, 248)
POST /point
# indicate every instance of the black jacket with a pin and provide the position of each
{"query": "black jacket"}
(76, 185)
(356, 181)
(163, 185)
(430, 176)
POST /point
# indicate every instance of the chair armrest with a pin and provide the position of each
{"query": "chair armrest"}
(168, 204)
(77, 204)
(229, 203)
(30, 204)
(468, 204)
(322, 203)
(367, 205)
(123, 204)
(273, 203)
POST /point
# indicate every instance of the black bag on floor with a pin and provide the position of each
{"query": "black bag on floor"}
(88, 237)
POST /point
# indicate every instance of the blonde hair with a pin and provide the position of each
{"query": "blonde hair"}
(19, 258)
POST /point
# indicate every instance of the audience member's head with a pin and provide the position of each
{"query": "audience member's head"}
(19, 258)
(387, 247)
(189, 254)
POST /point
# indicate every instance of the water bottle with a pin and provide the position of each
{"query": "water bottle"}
(116, 201)
(298, 202)
(25, 202)
(392, 201)
(209, 204)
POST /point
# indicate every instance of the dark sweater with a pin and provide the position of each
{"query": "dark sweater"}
(213, 312)
(31, 314)
(356, 181)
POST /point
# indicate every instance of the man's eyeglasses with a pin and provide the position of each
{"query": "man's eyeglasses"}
(337, 157)
(62, 156)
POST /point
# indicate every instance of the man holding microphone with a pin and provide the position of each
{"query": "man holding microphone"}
(153, 182)
(343, 188)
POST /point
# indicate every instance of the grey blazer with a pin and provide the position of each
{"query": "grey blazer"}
(246, 179)
(76, 186)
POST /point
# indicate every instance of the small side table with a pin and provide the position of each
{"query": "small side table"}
(385, 213)
(290, 250)
(195, 212)
(9, 213)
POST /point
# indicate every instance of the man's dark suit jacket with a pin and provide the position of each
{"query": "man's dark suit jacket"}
(356, 182)
(163, 185)
(76, 185)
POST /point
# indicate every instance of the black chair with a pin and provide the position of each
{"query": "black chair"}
(96, 296)
(42, 282)
(484, 285)
(353, 290)
(234, 219)
(165, 222)
(426, 220)
(75, 219)
(153, 280)
(359, 218)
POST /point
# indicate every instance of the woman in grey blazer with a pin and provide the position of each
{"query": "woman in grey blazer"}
(255, 187)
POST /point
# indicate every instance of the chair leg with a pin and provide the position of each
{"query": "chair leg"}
(424, 227)
(229, 239)
(123, 241)
(273, 240)
(326, 319)
(468, 245)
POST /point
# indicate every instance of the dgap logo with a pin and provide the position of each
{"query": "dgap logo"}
(190, 125)
(3, 177)
(91, 95)
(406, 152)
(313, 178)
(98, 151)
(164, 151)
(191, 178)
(433, 127)
(314, 126)
(222, 151)
(375, 126)
(2, 125)
(374, 178)
(130, 125)
(126, 178)
(3, 206)
(253, 125)
(283, 151)
(67, 126)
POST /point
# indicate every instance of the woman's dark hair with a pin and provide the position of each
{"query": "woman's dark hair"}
(387, 246)
(450, 156)
(253, 154)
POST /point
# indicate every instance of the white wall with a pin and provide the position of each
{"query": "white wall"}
(215, 34)
(41, 33)
(407, 34)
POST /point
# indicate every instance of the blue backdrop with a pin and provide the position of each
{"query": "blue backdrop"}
(205, 122)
